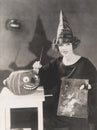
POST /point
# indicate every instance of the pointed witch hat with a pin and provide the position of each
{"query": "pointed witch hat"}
(64, 31)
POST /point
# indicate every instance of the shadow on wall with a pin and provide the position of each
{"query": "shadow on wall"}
(36, 45)
(38, 42)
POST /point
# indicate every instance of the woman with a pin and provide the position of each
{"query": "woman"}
(69, 65)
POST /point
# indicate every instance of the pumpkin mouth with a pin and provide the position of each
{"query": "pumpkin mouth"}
(30, 87)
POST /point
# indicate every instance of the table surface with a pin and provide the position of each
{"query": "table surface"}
(7, 98)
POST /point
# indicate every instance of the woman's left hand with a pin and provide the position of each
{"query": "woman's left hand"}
(86, 86)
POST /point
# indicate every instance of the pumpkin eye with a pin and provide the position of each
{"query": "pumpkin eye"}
(26, 79)
(36, 77)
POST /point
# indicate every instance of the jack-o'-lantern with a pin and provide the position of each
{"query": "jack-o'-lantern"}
(22, 82)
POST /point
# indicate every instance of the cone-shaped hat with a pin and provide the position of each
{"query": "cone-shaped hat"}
(64, 29)
(64, 32)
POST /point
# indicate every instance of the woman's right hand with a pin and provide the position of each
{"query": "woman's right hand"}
(36, 66)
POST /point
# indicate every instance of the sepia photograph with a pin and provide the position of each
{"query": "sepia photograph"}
(48, 65)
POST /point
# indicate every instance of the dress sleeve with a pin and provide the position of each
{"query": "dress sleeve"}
(92, 72)
(49, 75)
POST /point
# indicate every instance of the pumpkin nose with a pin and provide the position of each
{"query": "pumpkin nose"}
(32, 80)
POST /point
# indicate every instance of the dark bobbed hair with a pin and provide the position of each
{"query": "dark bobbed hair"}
(74, 40)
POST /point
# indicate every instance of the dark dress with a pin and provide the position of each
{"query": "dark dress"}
(50, 77)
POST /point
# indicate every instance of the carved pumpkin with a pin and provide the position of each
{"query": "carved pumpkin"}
(22, 82)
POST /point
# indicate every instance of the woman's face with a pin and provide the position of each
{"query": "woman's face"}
(66, 49)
